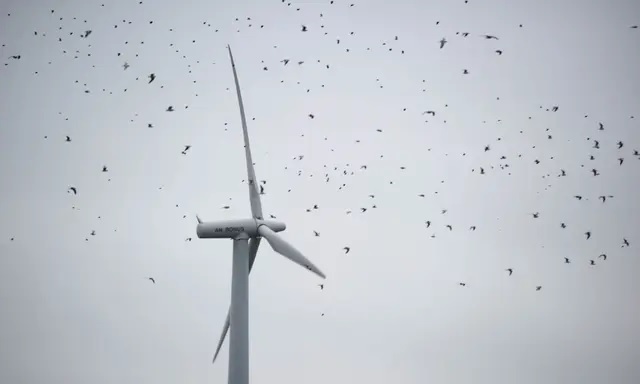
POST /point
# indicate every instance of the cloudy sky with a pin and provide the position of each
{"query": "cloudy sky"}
(77, 308)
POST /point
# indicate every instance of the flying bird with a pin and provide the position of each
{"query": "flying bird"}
(603, 256)
(104, 168)
(566, 260)
(443, 42)
(68, 139)
(539, 287)
(125, 65)
(346, 250)
(316, 233)
(489, 37)
(151, 78)
(510, 270)
(588, 234)
(186, 148)
(499, 52)
(152, 280)
(74, 190)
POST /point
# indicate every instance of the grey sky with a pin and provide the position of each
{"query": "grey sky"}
(76, 311)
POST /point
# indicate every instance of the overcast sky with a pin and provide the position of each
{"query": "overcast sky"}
(77, 311)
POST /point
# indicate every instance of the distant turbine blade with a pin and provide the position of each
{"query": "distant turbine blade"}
(287, 250)
(253, 251)
(254, 196)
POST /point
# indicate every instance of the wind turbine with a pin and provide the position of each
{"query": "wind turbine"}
(246, 235)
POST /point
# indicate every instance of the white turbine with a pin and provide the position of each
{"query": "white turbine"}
(246, 235)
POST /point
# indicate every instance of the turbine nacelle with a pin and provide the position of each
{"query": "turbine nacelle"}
(230, 229)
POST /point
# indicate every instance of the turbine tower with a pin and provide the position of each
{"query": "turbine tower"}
(246, 235)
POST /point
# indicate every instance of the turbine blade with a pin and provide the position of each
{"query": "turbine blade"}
(253, 251)
(287, 250)
(225, 329)
(254, 196)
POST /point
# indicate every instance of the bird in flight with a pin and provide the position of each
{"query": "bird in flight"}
(317, 234)
(539, 287)
(68, 139)
(603, 256)
(74, 190)
(588, 234)
(566, 260)
(152, 280)
(152, 77)
(186, 148)
(462, 284)
(125, 65)
(104, 168)
(346, 250)
(499, 52)
(489, 37)
(510, 270)
(443, 42)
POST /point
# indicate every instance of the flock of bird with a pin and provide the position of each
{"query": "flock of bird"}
(431, 224)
